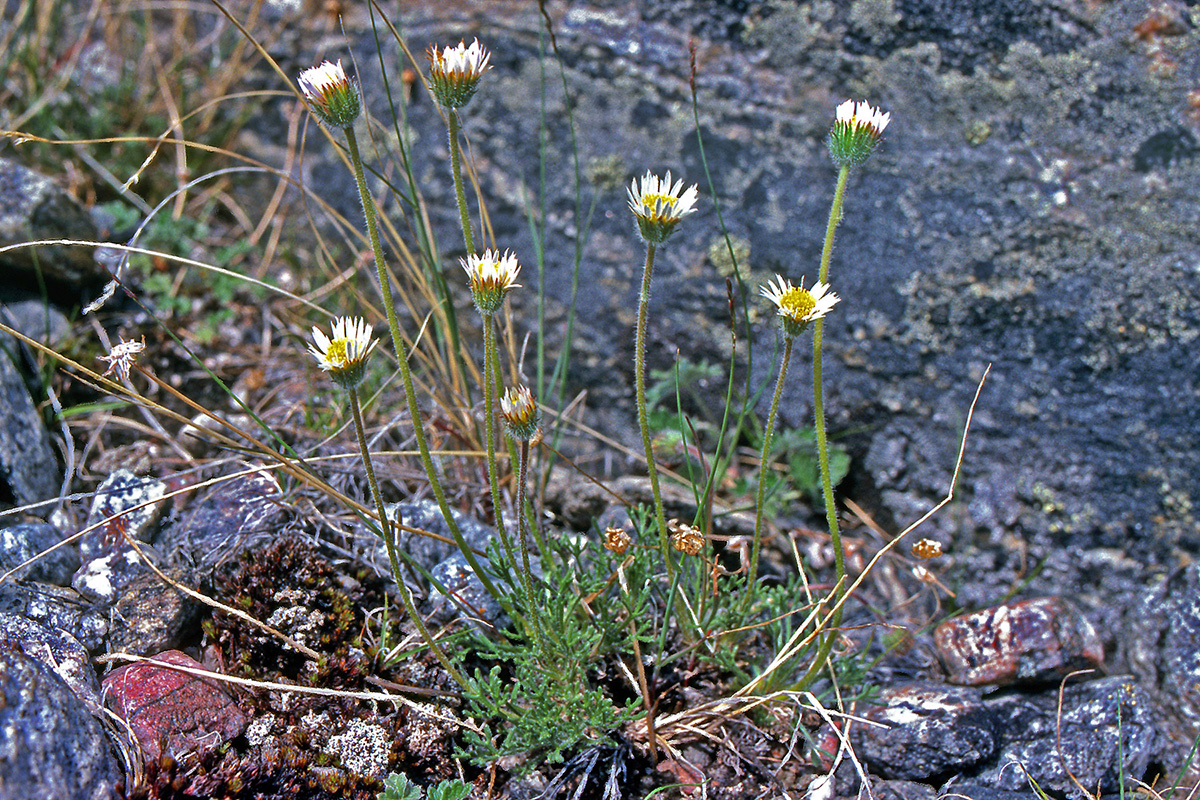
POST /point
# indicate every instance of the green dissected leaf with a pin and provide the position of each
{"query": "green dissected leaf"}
(398, 787)
(449, 790)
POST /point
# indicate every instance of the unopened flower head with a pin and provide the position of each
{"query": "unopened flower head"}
(122, 357)
(616, 539)
(454, 72)
(926, 549)
(491, 276)
(344, 356)
(797, 306)
(331, 94)
(658, 205)
(520, 414)
(685, 538)
(856, 131)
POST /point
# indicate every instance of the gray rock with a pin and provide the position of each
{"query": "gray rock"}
(58, 650)
(50, 744)
(125, 505)
(224, 521)
(34, 318)
(902, 790)
(28, 467)
(956, 790)
(33, 208)
(150, 616)
(926, 731)
(427, 551)
(1033, 194)
(465, 594)
(1162, 644)
(1081, 742)
(102, 580)
(930, 733)
(20, 543)
(58, 608)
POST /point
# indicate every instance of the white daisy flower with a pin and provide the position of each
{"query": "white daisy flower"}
(797, 306)
(658, 205)
(344, 356)
(454, 72)
(491, 275)
(331, 94)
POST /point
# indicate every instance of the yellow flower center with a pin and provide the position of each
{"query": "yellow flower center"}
(797, 302)
(338, 353)
(652, 201)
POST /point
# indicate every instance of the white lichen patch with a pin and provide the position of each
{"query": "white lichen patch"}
(259, 730)
(302, 624)
(920, 708)
(362, 747)
(96, 580)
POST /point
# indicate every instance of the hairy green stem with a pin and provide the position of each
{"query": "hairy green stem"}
(835, 218)
(835, 535)
(489, 431)
(453, 125)
(764, 467)
(389, 542)
(522, 476)
(643, 420)
(414, 411)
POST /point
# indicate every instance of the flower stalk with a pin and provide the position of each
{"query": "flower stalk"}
(454, 74)
(491, 276)
(857, 130)
(796, 308)
(344, 357)
(522, 423)
(317, 87)
(657, 206)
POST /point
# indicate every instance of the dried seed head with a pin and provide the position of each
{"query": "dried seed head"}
(122, 356)
(685, 538)
(616, 539)
(926, 549)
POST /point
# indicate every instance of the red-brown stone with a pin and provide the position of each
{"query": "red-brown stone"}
(172, 711)
(1025, 642)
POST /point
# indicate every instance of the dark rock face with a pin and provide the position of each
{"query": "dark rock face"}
(50, 744)
(225, 520)
(1107, 729)
(1029, 207)
(59, 608)
(20, 543)
(1162, 644)
(28, 467)
(33, 208)
(150, 616)
(930, 733)
(59, 651)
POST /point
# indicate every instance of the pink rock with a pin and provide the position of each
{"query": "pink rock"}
(1030, 641)
(171, 711)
